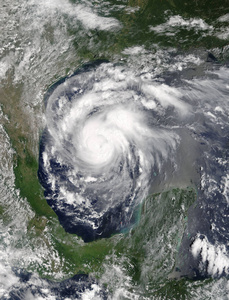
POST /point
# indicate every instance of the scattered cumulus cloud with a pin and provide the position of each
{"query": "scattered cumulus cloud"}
(85, 14)
(175, 22)
(214, 259)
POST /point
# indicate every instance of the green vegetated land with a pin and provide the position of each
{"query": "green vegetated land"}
(135, 28)
(152, 246)
(21, 136)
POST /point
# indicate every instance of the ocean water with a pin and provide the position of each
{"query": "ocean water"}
(114, 150)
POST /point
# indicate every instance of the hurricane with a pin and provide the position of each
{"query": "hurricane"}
(102, 144)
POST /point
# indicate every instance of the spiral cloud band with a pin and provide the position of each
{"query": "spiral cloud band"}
(102, 146)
